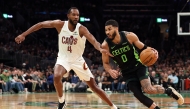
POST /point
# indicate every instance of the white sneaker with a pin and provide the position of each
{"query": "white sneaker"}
(177, 96)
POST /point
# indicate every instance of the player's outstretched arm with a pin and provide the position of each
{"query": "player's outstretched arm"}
(105, 59)
(84, 32)
(40, 25)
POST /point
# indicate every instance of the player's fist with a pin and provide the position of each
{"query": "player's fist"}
(155, 52)
(113, 73)
(19, 39)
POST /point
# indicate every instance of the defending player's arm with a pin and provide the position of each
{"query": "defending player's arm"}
(106, 63)
(40, 25)
(84, 32)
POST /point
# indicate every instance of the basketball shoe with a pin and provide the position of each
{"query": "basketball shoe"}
(170, 91)
(62, 105)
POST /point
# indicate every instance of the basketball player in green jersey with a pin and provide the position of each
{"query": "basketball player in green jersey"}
(122, 46)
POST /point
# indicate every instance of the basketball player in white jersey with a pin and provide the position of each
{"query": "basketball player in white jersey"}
(72, 38)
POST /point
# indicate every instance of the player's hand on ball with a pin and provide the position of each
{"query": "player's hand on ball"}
(106, 52)
(19, 39)
(155, 51)
(113, 73)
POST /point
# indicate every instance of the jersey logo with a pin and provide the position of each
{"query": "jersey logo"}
(124, 43)
(85, 67)
(75, 33)
(69, 41)
(137, 64)
(113, 47)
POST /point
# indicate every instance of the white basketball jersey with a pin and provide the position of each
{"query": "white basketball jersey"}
(71, 45)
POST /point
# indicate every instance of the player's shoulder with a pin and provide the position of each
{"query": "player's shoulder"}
(82, 26)
(129, 35)
(59, 21)
(83, 29)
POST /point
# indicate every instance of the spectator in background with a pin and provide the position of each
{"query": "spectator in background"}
(25, 65)
(81, 86)
(182, 75)
(152, 76)
(28, 81)
(22, 79)
(43, 82)
(106, 85)
(100, 78)
(66, 83)
(174, 80)
(50, 81)
(38, 68)
(121, 85)
(188, 75)
(161, 78)
(114, 85)
(35, 81)
(6, 82)
(165, 81)
(92, 68)
(1, 85)
(74, 80)
(15, 82)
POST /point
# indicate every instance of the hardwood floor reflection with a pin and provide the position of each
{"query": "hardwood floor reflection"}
(84, 101)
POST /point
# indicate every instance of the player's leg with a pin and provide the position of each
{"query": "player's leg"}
(135, 87)
(84, 73)
(60, 70)
(156, 89)
(92, 84)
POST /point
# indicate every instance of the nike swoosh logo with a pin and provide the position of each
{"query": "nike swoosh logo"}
(136, 64)
(113, 47)
(124, 43)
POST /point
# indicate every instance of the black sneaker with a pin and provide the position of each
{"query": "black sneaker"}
(177, 96)
(62, 105)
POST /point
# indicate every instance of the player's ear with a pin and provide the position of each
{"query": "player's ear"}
(116, 28)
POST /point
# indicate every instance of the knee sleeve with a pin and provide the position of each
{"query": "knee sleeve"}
(135, 87)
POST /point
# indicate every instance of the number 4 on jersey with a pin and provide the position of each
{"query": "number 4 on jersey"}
(69, 49)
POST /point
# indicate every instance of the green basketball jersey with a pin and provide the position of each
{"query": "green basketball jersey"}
(125, 54)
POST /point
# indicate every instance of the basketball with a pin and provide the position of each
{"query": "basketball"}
(148, 57)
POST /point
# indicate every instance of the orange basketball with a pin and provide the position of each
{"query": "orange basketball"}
(148, 57)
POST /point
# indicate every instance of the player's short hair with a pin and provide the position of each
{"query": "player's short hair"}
(112, 22)
(69, 11)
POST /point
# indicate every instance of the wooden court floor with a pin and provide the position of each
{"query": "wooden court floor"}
(85, 101)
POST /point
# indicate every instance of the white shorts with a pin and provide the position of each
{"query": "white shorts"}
(79, 66)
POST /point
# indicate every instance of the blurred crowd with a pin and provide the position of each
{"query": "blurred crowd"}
(172, 66)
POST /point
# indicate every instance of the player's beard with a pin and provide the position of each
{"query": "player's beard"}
(72, 23)
(113, 35)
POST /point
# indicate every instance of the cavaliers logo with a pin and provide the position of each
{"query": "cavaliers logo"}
(85, 67)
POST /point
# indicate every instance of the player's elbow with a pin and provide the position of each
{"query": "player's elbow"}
(40, 25)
